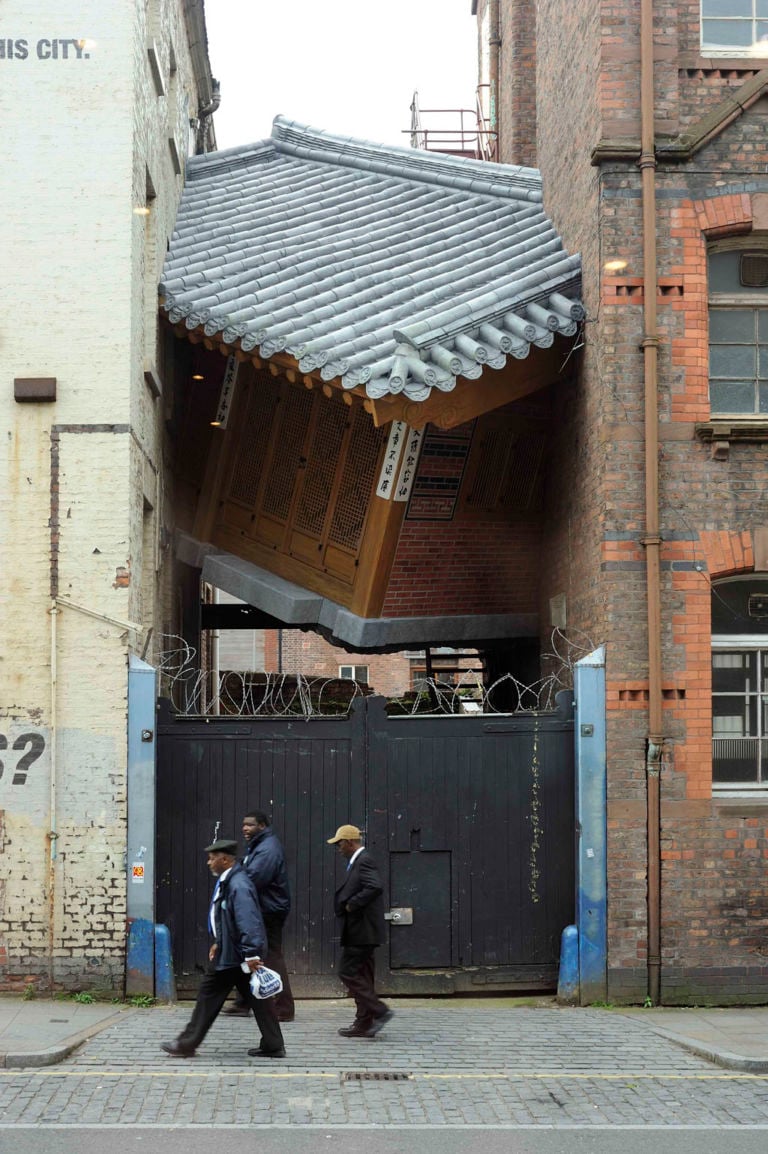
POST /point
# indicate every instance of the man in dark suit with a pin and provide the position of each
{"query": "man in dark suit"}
(360, 905)
(264, 862)
(239, 942)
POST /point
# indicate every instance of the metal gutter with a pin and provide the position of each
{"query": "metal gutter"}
(652, 538)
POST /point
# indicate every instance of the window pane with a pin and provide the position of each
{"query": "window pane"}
(761, 8)
(728, 33)
(762, 34)
(762, 325)
(732, 361)
(732, 325)
(734, 760)
(732, 396)
(734, 716)
(734, 672)
(726, 7)
(724, 272)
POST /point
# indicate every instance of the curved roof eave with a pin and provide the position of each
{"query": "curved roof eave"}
(390, 268)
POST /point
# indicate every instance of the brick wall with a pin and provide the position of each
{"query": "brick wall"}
(713, 848)
(517, 90)
(311, 655)
(448, 564)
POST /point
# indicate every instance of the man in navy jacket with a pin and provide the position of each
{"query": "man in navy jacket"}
(239, 943)
(360, 905)
(264, 862)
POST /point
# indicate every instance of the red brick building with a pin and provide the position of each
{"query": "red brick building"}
(648, 123)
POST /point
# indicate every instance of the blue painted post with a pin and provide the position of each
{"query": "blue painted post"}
(165, 982)
(140, 862)
(568, 974)
(591, 857)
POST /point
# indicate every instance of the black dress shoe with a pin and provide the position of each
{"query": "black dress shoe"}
(380, 1022)
(238, 1010)
(177, 1051)
(259, 1053)
(285, 1017)
(356, 1030)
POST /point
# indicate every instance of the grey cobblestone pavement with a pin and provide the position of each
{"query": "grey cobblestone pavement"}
(437, 1062)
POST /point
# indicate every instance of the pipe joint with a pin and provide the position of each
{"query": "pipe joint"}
(649, 342)
(651, 539)
(653, 752)
(647, 160)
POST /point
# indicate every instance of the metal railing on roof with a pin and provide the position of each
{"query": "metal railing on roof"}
(454, 131)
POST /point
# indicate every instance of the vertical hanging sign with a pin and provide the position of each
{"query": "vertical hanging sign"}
(388, 474)
(408, 466)
(227, 392)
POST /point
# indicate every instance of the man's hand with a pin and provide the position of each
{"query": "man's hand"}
(212, 952)
(254, 964)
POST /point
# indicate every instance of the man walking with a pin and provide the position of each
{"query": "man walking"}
(360, 905)
(264, 862)
(239, 943)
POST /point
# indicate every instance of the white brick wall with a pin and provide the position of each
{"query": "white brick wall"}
(84, 125)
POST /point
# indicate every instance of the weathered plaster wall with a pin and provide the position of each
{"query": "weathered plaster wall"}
(84, 125)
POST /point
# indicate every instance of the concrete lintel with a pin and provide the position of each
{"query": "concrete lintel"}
(299, 608)
(276, 596)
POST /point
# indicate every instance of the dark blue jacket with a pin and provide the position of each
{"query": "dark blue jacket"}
(241, 932)
(264, 862)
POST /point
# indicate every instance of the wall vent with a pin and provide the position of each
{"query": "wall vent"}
(757, 605)
(753, 270)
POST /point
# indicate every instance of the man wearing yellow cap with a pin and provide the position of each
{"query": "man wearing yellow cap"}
(360, 905)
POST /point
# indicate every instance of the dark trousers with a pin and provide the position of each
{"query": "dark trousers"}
(273, 924)
(356, 971)
(211, 996)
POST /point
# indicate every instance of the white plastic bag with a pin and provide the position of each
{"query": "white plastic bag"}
(265, 983)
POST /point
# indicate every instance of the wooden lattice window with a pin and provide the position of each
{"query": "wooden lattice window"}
(303, 475)
(257, 422)
(321, 467)
(289, 433)
(357, 481)
(503, 477)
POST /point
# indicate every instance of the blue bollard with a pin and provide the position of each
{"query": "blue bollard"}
(568, 977)
(165, 982)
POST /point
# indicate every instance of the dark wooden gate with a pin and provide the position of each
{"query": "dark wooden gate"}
(470, 818)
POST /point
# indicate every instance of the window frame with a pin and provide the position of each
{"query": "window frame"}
(757, 50)
(354, 677)
(752, 643)
(750, 299)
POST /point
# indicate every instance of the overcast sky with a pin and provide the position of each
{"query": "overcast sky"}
(348, 66)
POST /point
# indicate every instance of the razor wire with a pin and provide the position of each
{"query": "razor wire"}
(195, 691)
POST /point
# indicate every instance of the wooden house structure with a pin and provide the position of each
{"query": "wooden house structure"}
(372, 341)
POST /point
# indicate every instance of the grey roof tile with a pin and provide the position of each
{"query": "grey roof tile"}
(387, 267)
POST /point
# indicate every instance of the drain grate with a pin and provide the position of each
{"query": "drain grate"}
(375, 1076)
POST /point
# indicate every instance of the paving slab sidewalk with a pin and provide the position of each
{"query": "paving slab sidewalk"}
(43, 1031)
(733, 1037)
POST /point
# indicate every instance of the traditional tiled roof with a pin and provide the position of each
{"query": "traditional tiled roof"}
(392, 268)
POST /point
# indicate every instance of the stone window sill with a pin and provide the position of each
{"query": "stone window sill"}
(720, 432)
